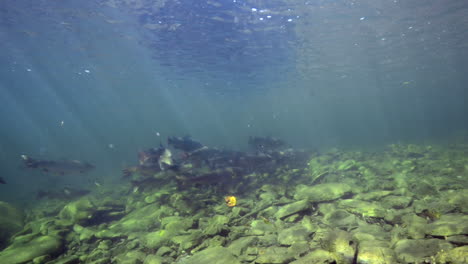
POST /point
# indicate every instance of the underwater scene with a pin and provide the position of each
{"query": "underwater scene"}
(234, 131)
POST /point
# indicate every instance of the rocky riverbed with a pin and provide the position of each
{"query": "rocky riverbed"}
(404, 204)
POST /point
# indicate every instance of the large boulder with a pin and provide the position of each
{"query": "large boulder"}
(11, 221)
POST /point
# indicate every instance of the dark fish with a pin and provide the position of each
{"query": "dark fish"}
(415, 155)
(186, 143)
(152, 161)
(60, 167)
(220, 176)
(149, 158)
(155, 157)
(63, 194)
(2, 181)
(145, 171)
(266, 144)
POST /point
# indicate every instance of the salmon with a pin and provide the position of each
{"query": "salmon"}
(59, 167)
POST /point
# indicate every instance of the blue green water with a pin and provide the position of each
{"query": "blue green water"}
(100, 80)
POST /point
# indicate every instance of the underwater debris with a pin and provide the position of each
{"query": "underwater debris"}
(61, 167)
(2, 181)
(231, 201)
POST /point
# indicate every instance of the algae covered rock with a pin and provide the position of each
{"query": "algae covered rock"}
(238, 247)
(340, 218)
(261, 227)
(298, 249)
(340, 243)
(457, 199)
(292, 208)
(73, 259)
(432, 207)
(396, 202)
(419, 250)
(11, 221)
(140, 220)
(84, 234)
(415, 226)
(132, 257)
(347, 165)
(216, 224)
(363, 208)
(176, 224)
(188, 241)
(373, 196)
(211, 255)
(322, 192)
(24, 252)
(449, 225)
(154, 240)
(175, 231)
(458, 239)
(372, 236)
(318, 256)
(456, 255)
(376, 255)
(268, 240)
(78, 212)
(293, 234)
(152, 259)
(274, 254)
